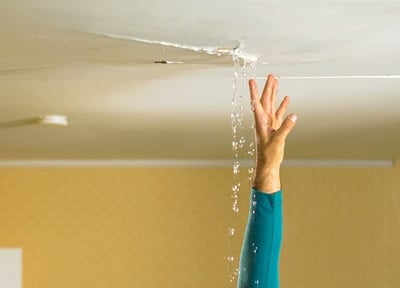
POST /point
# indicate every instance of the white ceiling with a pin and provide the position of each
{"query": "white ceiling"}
(81, 59)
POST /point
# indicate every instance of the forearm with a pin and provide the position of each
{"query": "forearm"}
(259, 260)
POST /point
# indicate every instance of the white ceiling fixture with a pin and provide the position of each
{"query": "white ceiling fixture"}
(46, 120)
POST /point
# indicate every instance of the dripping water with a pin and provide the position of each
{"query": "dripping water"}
(243, 150)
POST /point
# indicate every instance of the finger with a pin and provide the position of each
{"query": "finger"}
(257, 108)
(274, 94)
(266, 98)
(282, 108)
(260, 125)
(254, 98)
(253, 91)
(286, 127)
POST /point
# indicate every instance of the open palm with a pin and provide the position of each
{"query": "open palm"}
(270, 126)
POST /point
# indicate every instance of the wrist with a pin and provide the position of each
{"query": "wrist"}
(267, 179)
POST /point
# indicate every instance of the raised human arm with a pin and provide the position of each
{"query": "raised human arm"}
(259, 260)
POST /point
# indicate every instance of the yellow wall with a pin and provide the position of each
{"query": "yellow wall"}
(98, 228)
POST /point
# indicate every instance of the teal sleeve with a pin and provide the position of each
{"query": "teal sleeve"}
(259, 259)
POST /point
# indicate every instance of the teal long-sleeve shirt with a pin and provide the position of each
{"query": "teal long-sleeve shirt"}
(259, 259)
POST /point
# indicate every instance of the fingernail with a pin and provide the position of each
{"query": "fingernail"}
(293, 117)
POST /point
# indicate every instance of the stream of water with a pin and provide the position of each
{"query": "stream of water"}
(243, 148)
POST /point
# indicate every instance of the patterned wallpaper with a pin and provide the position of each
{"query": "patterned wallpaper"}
(130, 227)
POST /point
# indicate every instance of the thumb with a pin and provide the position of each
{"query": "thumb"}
(286, 127)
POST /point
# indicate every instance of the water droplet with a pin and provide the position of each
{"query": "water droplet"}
(235, 188)
(230, 258)
(253, 104)
(236, 167)
(241, 142)
(235, 116)
(255, 249)
(234, 145)
(237, 272)
(251, 152)
(231, 231)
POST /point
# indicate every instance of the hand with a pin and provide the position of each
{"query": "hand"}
(271, 132)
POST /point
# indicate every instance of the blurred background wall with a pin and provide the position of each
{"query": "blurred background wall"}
(167, 227)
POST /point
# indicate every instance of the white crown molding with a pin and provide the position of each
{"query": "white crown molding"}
(195, 163)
